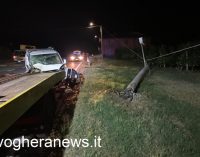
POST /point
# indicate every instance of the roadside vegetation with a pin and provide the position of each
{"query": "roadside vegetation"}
(163, 120)
(185, 60)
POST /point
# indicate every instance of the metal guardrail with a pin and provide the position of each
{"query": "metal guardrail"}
(18, 104)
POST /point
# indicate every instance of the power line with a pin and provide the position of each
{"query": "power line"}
(171, 53)
(123, 43)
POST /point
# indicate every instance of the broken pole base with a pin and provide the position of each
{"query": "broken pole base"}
(133, 86)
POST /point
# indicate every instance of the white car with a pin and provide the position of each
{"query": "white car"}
(45, 60)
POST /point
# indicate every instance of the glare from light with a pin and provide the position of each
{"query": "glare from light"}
(72, 57)
(91, 24)
(80, 57)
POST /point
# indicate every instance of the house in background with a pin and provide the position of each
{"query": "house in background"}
(110, 45)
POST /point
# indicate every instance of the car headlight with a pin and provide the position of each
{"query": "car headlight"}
(72, 57)
(80, 57)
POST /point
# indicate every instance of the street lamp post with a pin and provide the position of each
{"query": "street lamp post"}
(92, 25)
(143, 56)
(101, 33)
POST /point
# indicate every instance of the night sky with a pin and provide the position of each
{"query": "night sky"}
(63, 25)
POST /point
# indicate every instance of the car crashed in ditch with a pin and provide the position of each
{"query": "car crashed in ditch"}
(47, 60)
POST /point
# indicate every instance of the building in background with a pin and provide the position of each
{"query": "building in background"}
(110, 45)
(24, 47)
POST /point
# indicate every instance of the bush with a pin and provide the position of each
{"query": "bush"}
(124, 53)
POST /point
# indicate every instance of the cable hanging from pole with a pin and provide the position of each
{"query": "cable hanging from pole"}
(171, 53)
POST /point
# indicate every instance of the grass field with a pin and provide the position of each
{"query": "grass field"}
(164, 120)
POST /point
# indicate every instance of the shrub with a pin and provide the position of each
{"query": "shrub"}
(124, 53)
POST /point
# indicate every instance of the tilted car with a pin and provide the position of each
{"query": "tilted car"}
(47, 60)
(43, 60)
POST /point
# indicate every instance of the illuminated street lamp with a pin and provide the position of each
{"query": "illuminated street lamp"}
(92, 25)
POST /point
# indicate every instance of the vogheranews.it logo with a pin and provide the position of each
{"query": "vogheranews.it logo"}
(24, 142)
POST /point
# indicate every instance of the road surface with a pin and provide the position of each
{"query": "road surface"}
(11, 68)
(78, 66)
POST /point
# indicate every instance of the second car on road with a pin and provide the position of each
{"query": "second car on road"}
(76, 56)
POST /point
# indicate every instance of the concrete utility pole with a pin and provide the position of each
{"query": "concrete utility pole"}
(186, 65)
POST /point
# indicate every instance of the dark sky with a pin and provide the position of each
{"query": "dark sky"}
(63, 24)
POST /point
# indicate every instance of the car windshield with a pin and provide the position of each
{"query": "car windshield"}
(45, 59)
(76, 53)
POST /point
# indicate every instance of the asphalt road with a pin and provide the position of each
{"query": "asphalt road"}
(11, 68)
(78, 66)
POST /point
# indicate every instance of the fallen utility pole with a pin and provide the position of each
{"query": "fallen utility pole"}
(133, 86)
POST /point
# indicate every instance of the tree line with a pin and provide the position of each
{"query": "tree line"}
(184, 60)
